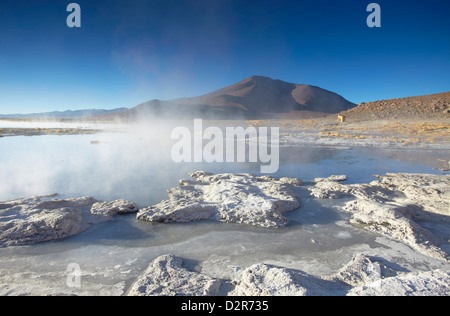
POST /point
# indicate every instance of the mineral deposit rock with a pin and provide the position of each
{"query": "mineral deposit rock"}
(165, 276)
(396, 205)
(232, 198)
(432, 283)
(363, 275)
(114, 208)
(268, 280)
(33, 220)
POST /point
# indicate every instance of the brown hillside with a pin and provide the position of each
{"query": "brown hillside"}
(427, 107)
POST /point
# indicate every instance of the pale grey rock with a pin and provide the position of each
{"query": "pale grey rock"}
(361, 276)
(431, 283)
(396, 205)
(33, 220)
(334, 178)
(329, 190)
(335, 190)
(114, 208)
(431, 192)
(394, 222)
(165, 276)
(232, 198)
(363, 270)
(268, 280)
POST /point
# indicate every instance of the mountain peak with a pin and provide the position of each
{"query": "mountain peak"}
(251, 98)
(258, 78)
(261, 79)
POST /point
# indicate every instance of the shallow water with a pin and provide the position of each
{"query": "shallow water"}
(112, 255)
(110, 166)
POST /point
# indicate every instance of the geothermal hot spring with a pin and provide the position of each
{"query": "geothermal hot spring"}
(136, 165)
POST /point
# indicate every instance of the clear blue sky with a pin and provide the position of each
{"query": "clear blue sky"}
(129, 52)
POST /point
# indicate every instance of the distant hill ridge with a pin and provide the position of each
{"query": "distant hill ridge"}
(69, 114)
(432, 106)
(255, 97)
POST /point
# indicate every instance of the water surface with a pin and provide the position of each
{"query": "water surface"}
(138, 167)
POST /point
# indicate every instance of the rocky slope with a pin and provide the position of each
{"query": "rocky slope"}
(434, 106)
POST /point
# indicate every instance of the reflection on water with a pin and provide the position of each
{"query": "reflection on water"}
(138, 168)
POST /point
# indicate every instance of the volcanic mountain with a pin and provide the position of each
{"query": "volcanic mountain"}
(252, 98)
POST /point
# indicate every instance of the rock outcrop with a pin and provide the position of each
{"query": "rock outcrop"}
(231, 198)
(432, 283)
(268, 280)
(111, 209)
(363, 275)
(396, 205)
(33, 220)
(165, 276)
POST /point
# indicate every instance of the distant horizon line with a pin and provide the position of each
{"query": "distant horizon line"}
(110, 109)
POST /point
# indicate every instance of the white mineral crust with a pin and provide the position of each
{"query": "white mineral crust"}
(33, 220)
(232, 198)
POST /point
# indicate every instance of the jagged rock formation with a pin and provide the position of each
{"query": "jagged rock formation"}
(363, 275)
(410, 208)
(33, 220)
(396, 205)
(432, 283)
(165, 276)
(231, 198)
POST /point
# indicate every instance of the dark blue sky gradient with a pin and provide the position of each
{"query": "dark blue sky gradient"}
(128, 52)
